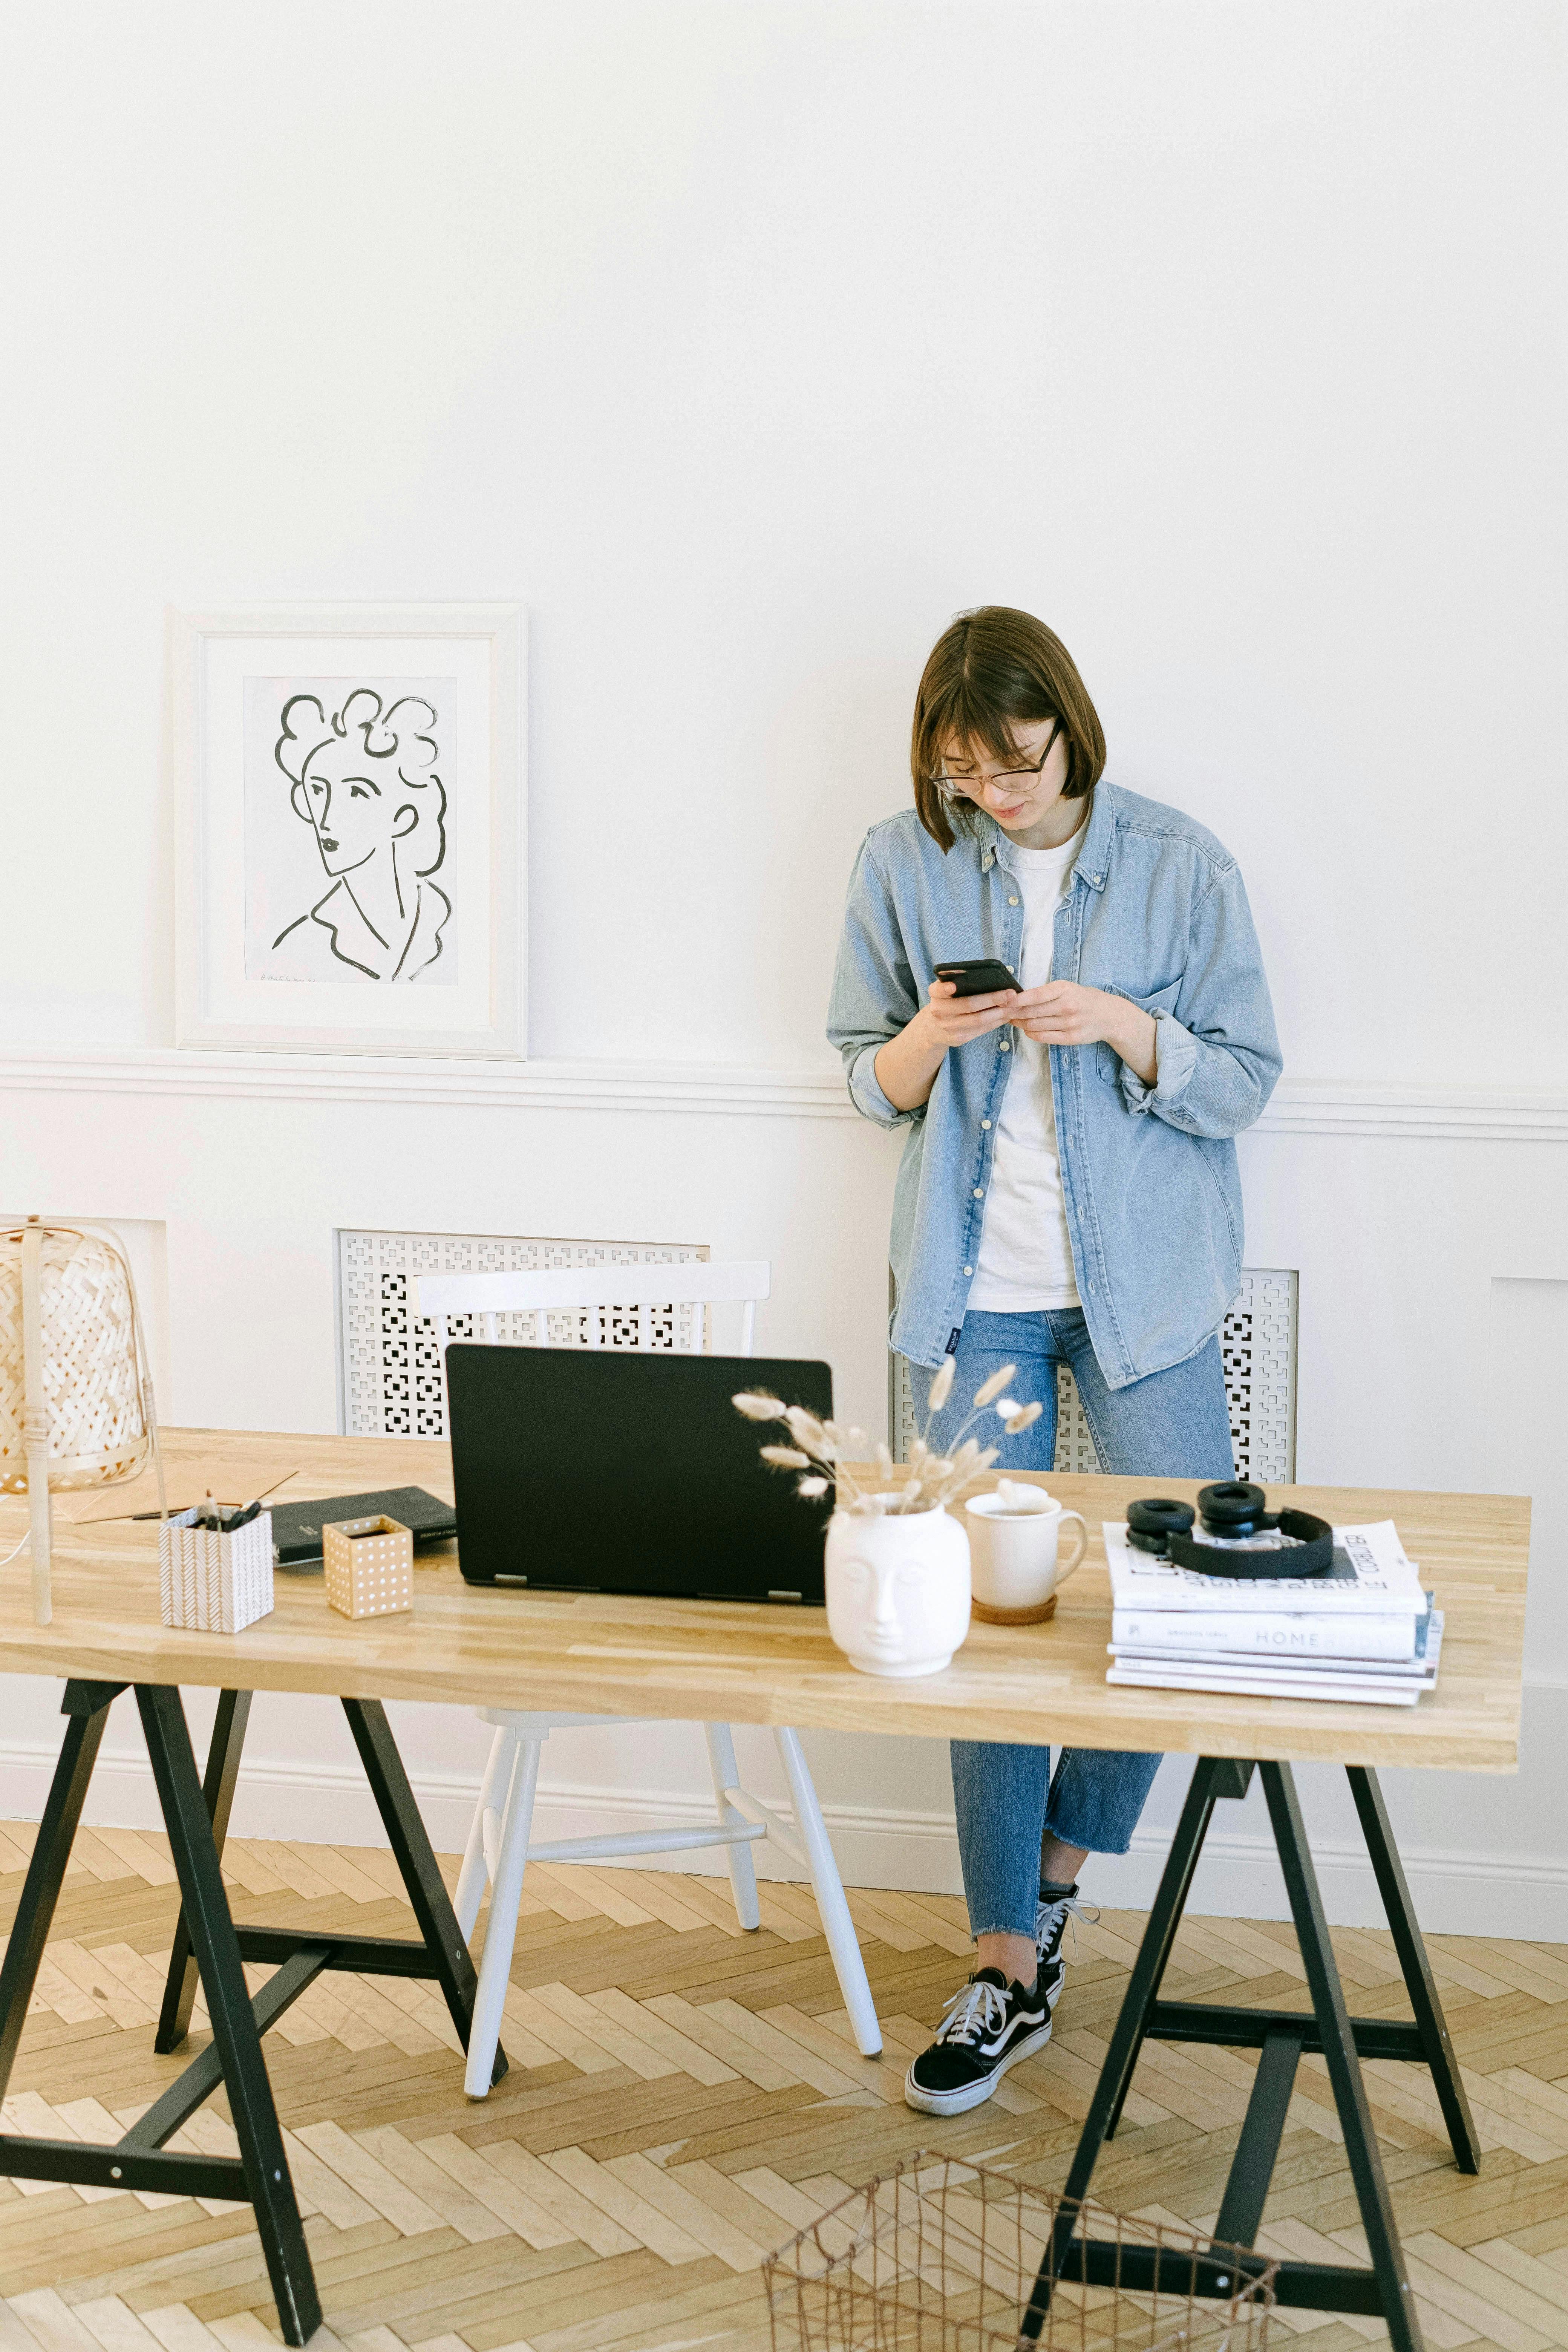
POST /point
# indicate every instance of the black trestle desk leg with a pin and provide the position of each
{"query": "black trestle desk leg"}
(1447, 2080)
(1226, 1777)
(86, 1709)
(217, 1791)
(1340, 2053)
(432, 1905)
(1262, 2128)
(217, 1950)
(1127, 2039)
(1223, 1777)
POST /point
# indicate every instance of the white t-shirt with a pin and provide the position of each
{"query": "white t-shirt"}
(1025, 1256)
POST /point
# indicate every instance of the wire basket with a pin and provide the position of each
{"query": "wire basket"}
(941, 2256)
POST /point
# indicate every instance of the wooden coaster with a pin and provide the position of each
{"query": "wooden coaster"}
(1035, 1616)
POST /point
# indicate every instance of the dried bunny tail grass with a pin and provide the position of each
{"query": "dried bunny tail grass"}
(942, 1386)
(811, 1487)
(1006, 1407)
(918, 1452)
(807, 1431)
(1024, 1418)
(785, 1457)
(760, 1408)
(995, 1385)
(884, 1461)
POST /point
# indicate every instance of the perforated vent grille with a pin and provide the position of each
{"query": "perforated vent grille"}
(1258, 1344)
(389, 1369)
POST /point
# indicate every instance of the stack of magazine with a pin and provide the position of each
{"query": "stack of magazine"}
(1365, 1630)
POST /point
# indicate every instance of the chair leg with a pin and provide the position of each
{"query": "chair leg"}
(828, 1888)
(474, 1876)
(726, 1775)
(500, 1930)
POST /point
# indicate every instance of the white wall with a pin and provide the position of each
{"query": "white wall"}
(743, 344)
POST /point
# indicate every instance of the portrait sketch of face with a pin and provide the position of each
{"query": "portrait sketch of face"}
(347, 869)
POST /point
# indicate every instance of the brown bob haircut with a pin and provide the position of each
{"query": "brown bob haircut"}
(993, 670)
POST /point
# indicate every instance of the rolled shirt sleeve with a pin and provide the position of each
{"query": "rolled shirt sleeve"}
(874, 993)
(1217, 1057)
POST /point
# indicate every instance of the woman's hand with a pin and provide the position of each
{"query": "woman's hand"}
(907, 1065)
(1062, 1013)
(952, 1020)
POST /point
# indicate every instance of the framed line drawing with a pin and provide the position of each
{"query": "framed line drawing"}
(350, 875)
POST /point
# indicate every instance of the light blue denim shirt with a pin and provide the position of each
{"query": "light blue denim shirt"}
(1155, 911)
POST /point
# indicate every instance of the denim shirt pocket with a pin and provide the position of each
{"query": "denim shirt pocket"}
(1106, 1060)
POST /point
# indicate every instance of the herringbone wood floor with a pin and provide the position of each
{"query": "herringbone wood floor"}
(682, 2098)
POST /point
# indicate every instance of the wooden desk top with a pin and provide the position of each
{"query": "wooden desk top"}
(750, 1664)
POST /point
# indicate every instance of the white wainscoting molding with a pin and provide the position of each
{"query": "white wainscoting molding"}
(1482, 1114)
(1238, 1877)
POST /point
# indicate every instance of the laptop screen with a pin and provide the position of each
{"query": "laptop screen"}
(594, 1469)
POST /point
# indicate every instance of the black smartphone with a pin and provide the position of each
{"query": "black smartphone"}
(980, 976)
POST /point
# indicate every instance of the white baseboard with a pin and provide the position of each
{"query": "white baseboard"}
(1455, 1894)
(1237, 1878)
(322, 1804)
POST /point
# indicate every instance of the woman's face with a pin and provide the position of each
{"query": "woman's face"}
(1005, 789)
(354, 815)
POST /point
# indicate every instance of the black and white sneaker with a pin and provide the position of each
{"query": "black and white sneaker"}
(1050, 1922)
(986, 2027)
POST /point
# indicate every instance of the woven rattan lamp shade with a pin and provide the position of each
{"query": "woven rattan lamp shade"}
(76, 1398)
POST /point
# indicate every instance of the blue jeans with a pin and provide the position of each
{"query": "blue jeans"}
(1172, 1424)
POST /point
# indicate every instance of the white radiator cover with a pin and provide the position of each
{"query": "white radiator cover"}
(389, 1383)
(388, 1375)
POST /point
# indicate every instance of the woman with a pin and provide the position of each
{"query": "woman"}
(1068, 1191)
(363, 780)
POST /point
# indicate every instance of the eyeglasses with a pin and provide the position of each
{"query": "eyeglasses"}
(962, 788)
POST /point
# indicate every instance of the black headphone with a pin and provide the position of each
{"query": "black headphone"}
(1231, 1510)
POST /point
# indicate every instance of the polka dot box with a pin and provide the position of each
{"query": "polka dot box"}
(369, 1565)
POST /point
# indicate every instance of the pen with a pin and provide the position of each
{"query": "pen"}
(111, 1518)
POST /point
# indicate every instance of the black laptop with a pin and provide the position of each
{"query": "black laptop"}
(595, 1470)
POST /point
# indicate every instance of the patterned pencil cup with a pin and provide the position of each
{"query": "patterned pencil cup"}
(213, 1583)
(369, 1565)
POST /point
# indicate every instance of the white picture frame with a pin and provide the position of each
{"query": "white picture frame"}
(351, 797)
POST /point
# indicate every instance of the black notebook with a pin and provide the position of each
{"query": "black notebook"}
(297, 1527)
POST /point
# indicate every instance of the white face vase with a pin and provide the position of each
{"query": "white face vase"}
(897, 1590)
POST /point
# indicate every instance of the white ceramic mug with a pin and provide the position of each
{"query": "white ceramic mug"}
(1013, 1541)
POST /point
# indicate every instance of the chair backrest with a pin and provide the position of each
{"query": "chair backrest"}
(568, 1288)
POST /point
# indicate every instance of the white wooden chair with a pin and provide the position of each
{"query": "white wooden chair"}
(500, 1843)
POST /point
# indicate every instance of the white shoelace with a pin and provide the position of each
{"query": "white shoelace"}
(976, 2008)
(1069, 1908)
